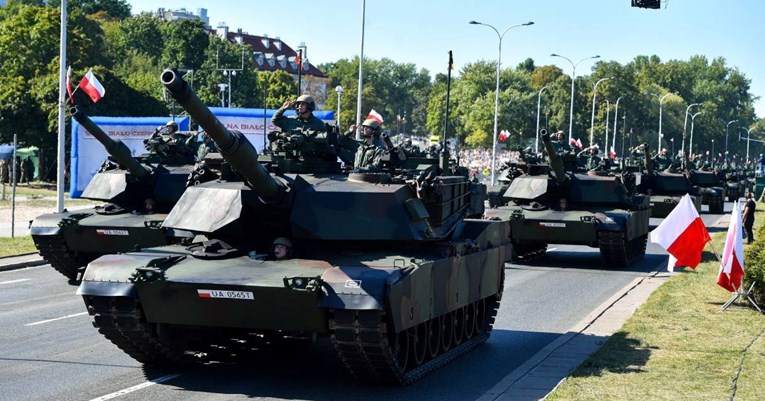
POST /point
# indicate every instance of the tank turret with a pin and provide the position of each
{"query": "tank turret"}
(118, 150)
(233, 145)
(556, 163)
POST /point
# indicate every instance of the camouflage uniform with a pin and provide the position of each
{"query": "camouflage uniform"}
(368, 157)
(662, 162)
(312, 127)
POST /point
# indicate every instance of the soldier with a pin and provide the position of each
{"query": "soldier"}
(26, 170)
(409, 148)
(281, 248)
(369, 153)
(662, 160)
(203, 148)
(304, 122)
(593, 160)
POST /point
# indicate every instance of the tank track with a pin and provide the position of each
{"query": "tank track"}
(370, 351)
(528, 252)
(715, 205)
(617, 252)
(121, 321)
(53, 250)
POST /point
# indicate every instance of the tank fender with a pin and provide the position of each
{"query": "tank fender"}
(106, 289)
(356, 287)
(615, 222)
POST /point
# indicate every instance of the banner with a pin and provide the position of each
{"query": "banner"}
(87, 153)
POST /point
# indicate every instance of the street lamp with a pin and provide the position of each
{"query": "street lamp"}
(672, 140)
(690, 145)
(685, 124)
(726, 135)
(228, 72)
(592, 121)
(222, 88)
(713, 149)
(608, 115)
(616, 116)
(496, 94)
(748, 130)
(573, 77)
(539, 105)
(661, 102)
(339, 90)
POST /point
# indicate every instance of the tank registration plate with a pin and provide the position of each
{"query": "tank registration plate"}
(112, 232)
(226, 294)
(550, 224)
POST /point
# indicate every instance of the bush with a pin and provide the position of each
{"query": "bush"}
(754, 257)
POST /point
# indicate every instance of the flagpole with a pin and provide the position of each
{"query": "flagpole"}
(712, 245)
(61, 159)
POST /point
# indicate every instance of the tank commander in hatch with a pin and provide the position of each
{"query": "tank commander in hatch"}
(303, 122)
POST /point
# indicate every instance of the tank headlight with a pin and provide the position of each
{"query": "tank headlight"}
(301, 283)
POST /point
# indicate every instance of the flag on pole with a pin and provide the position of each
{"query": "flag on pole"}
(612, 153)
(69, 83)
(503, 135)
(92, 87)
(375, 116)
(683, 234)
(575, 142)
(732, 264)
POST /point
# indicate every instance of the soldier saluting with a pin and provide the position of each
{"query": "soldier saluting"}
(303, 122)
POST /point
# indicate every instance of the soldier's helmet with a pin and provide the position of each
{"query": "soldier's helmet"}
(663, 151)
(172, 125)
(374, 124)
(308, 100)
(283, 241)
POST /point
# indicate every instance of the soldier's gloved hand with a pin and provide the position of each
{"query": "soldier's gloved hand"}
(297, 139)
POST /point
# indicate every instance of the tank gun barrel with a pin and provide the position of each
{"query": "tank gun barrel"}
(386, 140)
(556, 164)
(116, 148)
(233, 145)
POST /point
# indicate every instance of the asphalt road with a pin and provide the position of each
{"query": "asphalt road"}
(50, 351)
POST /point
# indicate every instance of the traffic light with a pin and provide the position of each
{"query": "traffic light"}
(646, 3)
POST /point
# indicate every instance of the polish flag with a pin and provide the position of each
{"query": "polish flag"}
(92, 87)
(503, 135)
(575, 142)
(375, 116)
(732, 265)
(682, 234)
(611, 153)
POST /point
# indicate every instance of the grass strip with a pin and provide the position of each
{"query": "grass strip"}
(16, 246)
(680, 345)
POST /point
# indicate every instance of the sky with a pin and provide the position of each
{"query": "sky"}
(422, 32)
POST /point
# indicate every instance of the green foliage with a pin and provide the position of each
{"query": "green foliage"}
(754, 256)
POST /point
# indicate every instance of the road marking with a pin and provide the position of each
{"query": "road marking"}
(136, 388)
(58, 318)
(14, 281)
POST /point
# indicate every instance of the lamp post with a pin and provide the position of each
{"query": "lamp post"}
(748, 131)
(608, 115)
(228, 72)
(616, 116)
(222, 88)
(573, 77)
(339, 90)
(672, 140)
(690, 145)
(713, 149)
(726, 135)
(539, 105)
(661, 102)
(361, 71)
(594, 93)
(496, 94)
(685, 124)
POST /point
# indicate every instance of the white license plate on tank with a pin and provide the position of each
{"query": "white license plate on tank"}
(226, 294)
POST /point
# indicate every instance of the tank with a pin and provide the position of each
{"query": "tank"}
(735, 183)
(396, 269)
(665, 188)
(711, 188)
(71, 239)
(599, 212)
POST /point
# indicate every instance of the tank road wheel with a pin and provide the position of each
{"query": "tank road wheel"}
(400, 348)
(418, 337)
(458, 317)
(480, 315)
(447, 331)
(434, 336)
(469, 320)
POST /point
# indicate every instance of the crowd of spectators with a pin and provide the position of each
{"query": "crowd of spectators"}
(478, 160)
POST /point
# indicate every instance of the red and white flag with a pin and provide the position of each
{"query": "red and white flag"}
(611, 153)
(69, 83)
(683, 234)
(92, 87)
(503, 135)
(575, 142)
(732, 265)
(375, 116)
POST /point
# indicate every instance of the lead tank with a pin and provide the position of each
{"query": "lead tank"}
(71, 239)
(397, 270)
(599, 212)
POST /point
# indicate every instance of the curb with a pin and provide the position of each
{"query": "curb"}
(544, 372)
(21, 261)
